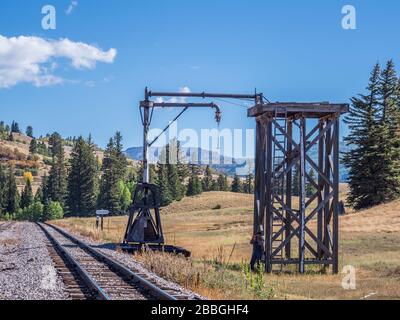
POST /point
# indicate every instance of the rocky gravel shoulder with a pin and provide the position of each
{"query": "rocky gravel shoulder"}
(27, 271)
(128, 260)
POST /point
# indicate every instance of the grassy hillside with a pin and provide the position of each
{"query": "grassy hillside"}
(16, 153)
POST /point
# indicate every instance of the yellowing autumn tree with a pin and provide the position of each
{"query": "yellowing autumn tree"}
(28, 176)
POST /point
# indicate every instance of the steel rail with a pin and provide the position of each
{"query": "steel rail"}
(85, 276)
(118, 267)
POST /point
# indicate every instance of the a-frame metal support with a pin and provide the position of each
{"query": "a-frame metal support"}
(144, 223)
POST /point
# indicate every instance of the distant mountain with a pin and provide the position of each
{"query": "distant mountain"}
(342, 169)
(219, 163)
(227, 165)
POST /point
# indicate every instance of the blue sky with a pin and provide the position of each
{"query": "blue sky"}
(290, 50)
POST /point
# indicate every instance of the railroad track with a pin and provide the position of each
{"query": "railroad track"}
(90, 274)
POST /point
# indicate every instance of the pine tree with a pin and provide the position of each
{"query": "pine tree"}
(3, 191)
(45, 198)
(82, 178)
(214, 185)
(174, 180)
(44, 189)
(389, 145)
(310, 188)
(33, 147)
(169, 174)
(223, 183)
(15, 127)
(366, 158)
(57, 181)
(119, 157)
(166, 197)
(27, 195)
(388, 82)
(236, 185)
(208, 179)
(39, 195)
(29, 131)
(182, 168)
(13, 198)
(296, 181)
(114, 170)
(56, 146)
(175, 185)
(182, 171)
(194, 187)
(249, 184)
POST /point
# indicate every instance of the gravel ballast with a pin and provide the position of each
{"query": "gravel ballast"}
(27, 271)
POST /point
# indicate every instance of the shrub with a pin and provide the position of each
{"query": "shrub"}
(19, 172)
(32, 213)
(255, 282)
(55, 211)
(47, 161)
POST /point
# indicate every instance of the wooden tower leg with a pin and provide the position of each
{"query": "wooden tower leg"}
(336, 151)
(268, 199)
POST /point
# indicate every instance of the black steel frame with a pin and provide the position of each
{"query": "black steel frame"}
(144, 223)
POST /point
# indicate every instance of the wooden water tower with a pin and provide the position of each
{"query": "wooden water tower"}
(292, 226)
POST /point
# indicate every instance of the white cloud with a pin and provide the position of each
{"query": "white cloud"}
(31, 59)
(184, 89)
(71, 7)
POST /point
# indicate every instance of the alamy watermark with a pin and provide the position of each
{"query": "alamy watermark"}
(49, 21)
(49, 280)
(349, 280)
(206, 147)
(349, 20)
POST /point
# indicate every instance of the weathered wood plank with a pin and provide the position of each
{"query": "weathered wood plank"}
(310, 110)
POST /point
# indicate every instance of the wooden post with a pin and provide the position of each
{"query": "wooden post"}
(320, 219)
(289, 186)
(259, 197)
(302, 194)
(336, 198)
(268, 198)
(328, 150)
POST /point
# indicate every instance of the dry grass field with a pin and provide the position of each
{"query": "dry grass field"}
(216, 227)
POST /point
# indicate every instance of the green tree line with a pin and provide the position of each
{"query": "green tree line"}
(84, 183)
(374, 123)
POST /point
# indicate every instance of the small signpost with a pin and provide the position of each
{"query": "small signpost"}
(100, 216)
